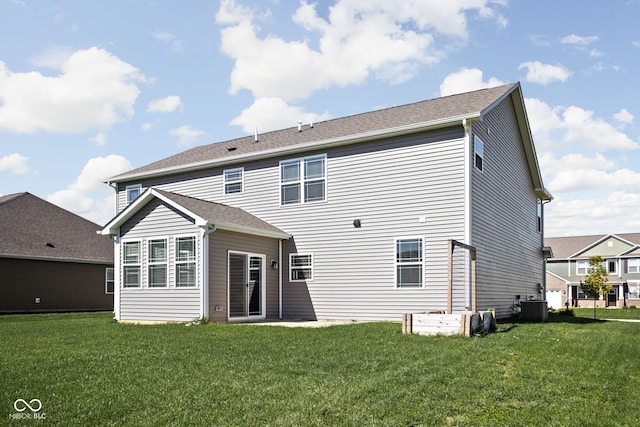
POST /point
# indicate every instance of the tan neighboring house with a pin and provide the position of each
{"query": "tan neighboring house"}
(570, 262)
(51, 259)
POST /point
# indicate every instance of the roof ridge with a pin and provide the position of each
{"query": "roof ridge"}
(10, 197)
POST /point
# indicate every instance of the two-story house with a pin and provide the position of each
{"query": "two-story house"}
(350, 218)
(570, 264)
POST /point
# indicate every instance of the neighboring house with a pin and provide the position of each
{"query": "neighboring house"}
(349, 218)
(570, 264)
(51, 259)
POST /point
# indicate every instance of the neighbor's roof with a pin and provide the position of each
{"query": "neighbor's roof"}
(565, 247)
(203, 212)
(360, 127)
(33, 228)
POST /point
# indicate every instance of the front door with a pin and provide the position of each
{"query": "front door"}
(612, 297)
(246, 285)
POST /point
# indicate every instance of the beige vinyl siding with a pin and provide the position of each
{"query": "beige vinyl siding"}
(504, 215)
(159, 221)
(220, 243)
(389, 185)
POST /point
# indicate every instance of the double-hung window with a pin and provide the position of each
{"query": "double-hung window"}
(300, 267)
(633, 265)
(234, 181)
(131, 264)
(303, 180)
(133, 191)
(582, 266)
(478, 153)
(186, 262)
(109, 280)
(409, 262)
(158, 263)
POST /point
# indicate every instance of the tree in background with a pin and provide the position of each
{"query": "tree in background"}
(595, 284)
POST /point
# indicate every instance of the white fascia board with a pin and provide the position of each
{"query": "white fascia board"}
(128, 212)
(292, 149)
(253, 231)
(597, 242)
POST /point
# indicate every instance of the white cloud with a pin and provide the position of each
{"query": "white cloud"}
(177, 44)
(165, 105)
(624, 117)
(574, 39)
(187, 135)
(94, 90)
(583, 128)
(593, 215)
(14, 163)
(52, 58)
(574, 125)
(88, 196)
(100, 139)
(466, 80)
(402, 33)
(543, 74)
(274, 113)
(585, 178)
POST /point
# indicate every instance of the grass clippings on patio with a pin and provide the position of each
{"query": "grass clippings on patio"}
(86, 369)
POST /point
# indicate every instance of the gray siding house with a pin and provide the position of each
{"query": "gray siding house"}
(350, 218)
(570, 263)
(51, 259)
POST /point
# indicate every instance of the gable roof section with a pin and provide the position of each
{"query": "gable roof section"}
(33, 228)
(204, 213)
(458, 109)
(573, 246)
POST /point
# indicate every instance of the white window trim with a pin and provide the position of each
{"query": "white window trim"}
(301, 179)
(106, 280)
(136, 264)
(177, 262)
(396, 263)
(130, 188)
(477, 154)
(155, 263)
(291, 268)
(235, 181)
(637, 265)
(586, 267)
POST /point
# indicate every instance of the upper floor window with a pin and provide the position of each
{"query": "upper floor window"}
(157, 263)
(234, 181)
(133, 191)
(634, 265)
(582, 266)
(612, 266)
(185, 262)
(303, 180)
(409, 263)
(131, 264)
(478, 153)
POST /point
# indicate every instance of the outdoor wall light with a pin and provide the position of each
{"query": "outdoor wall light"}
(274, 264)
(357, 223)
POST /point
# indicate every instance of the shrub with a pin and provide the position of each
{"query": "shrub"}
(564, 312)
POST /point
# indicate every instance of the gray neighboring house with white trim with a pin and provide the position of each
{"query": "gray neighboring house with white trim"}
(349, 218)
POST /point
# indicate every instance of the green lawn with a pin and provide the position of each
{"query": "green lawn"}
(607, 313)
(88, 370)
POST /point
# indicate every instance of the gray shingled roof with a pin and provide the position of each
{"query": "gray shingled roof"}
(564, 247)
(431, 111)
(34, 228)
(223, 216)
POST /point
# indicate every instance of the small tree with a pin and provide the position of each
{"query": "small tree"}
(595, 284)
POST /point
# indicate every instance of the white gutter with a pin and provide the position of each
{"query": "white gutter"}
(322, 144)
(204, 294)
(280, 279)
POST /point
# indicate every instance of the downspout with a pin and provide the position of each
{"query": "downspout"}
(280, 279)
(470, 296)
(116, 276)
(544, 264)
(204, 295)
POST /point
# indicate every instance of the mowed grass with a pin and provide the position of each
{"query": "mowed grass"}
(607, 313)
(86, 369)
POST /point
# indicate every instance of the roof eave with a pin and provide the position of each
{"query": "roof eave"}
(292, 149)
(253, 231)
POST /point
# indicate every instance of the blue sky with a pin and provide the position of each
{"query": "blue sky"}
(89, 89)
